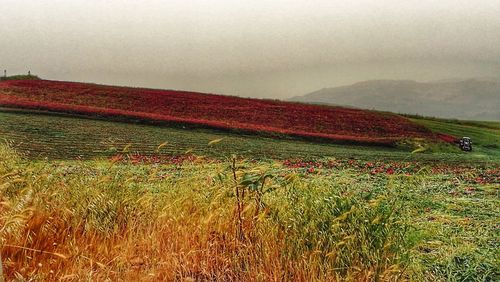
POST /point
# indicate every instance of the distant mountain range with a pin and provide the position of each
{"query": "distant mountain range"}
(472, 99)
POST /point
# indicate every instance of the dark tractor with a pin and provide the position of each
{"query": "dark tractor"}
(465, 144)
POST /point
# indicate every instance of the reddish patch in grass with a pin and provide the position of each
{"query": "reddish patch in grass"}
(468, 173)
(447, 138)
(212, 111)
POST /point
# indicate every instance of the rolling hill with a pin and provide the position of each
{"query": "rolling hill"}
(84, 193)
(65, 137)
(472, 99)
(191, 109)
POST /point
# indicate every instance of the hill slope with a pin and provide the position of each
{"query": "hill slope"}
(476, 99)
(56, 136)
(212, 111)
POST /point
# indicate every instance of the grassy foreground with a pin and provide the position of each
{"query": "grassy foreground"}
(240, 220)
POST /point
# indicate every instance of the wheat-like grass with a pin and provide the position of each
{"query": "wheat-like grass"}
(97, 220)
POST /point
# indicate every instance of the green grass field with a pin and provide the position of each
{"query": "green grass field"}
(62, 137)
(70, 211)
(485, 135)
(98, 220)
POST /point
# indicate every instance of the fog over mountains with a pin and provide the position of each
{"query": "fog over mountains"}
(473, 99)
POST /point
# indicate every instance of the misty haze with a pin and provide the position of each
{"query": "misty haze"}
(470, 99)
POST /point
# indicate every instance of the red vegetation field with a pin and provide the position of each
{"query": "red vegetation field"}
(212, 111)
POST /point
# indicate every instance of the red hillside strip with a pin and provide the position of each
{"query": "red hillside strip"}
(14, 102)
(214, 111)
(447, 138)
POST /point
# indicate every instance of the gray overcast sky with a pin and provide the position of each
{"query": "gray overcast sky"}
(258, 48)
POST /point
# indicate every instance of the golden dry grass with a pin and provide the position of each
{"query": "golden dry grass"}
(98, 220)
